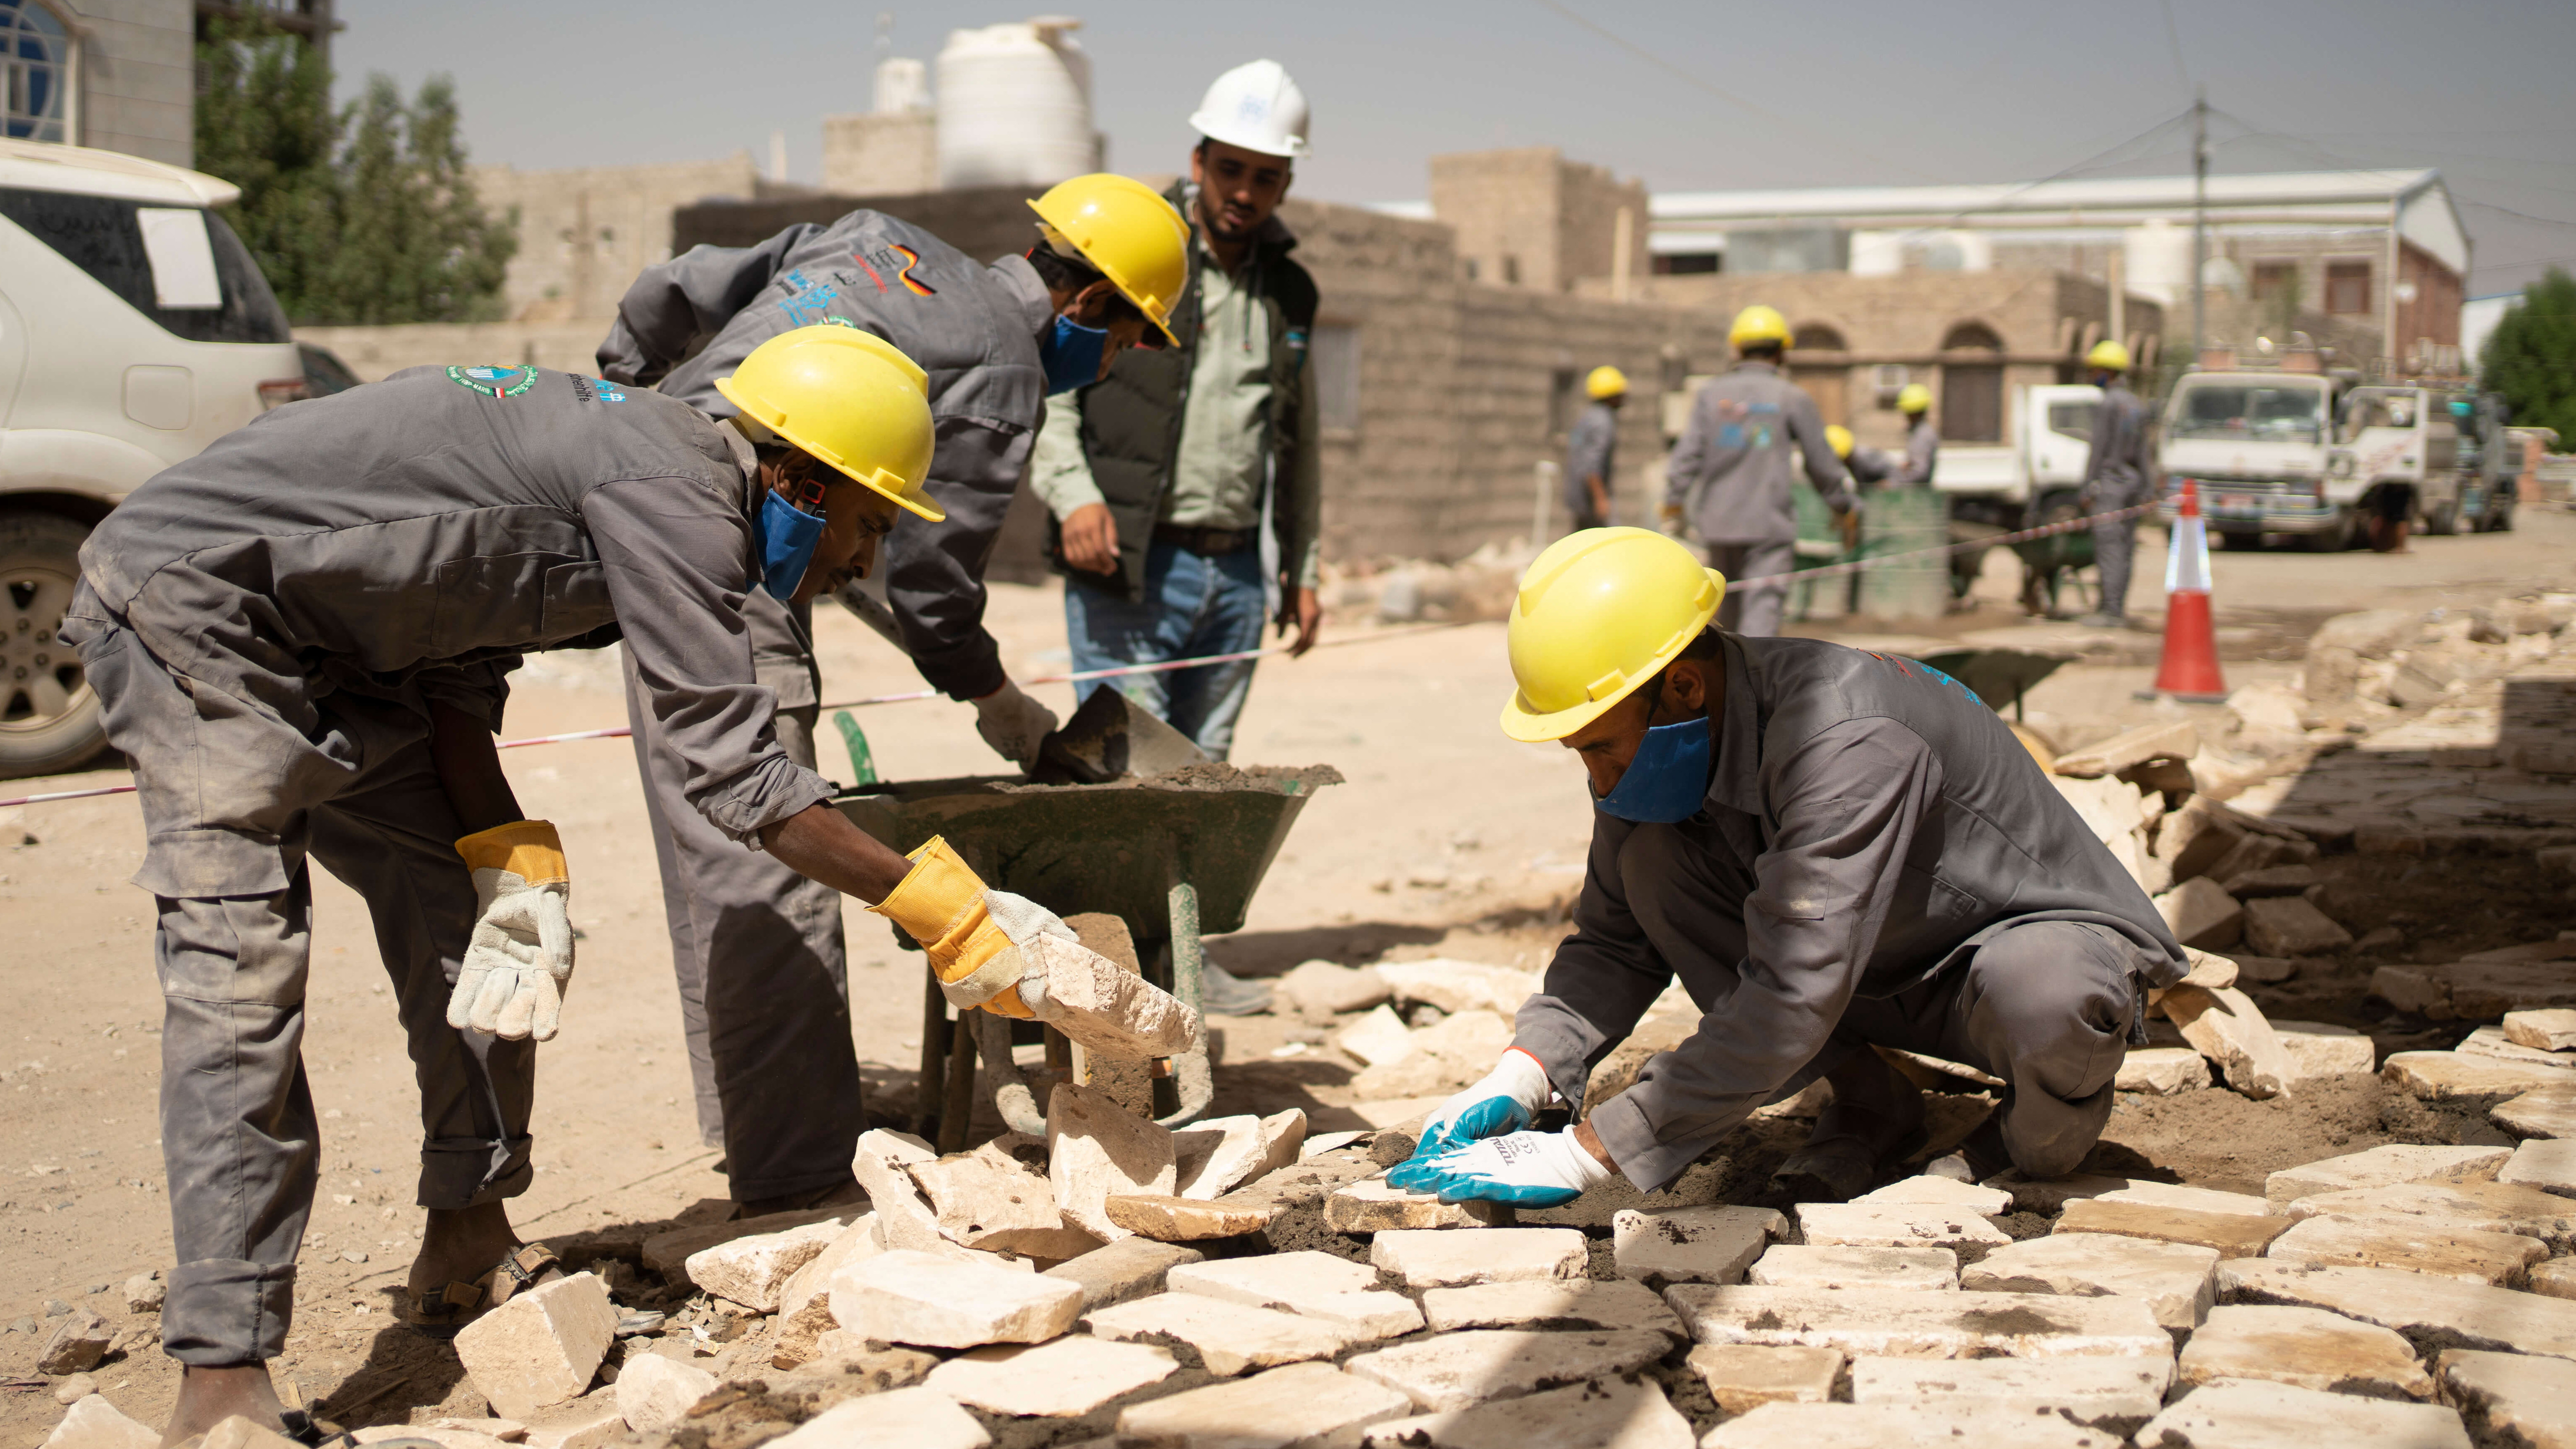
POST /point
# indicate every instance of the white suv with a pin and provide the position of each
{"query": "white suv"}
(134, 330)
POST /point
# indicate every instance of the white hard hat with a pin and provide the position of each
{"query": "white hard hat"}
(1257, 107)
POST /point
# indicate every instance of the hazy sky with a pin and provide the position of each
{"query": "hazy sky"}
(1684, 96)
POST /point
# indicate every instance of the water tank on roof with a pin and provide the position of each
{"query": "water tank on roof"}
(903, 86)
(1015, 105)
(2155, 261)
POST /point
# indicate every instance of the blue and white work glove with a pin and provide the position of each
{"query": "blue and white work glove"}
(1505, 1101)
(1524, 1169)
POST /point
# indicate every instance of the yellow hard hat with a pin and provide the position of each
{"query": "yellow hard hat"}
(1914, 397)
(1606, 382)
(1128, 234)
(1758, 323)
(1599, 613)
(850, 398)
(2109, 354)
(1840, 438)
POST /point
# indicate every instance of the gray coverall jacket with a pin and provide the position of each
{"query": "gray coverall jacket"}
(2115, 469)
(267, 626)
(1870, 826)
(1731, 471)
(1591, 450)
(1922, 450)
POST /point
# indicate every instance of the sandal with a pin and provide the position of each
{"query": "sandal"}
(442, 1314)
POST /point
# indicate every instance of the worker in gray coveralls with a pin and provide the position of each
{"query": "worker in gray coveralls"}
(757, 948)
(1833, 851)
(301, 638)
(2116, 474)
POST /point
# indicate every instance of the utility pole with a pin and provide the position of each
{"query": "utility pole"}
(2199, 218)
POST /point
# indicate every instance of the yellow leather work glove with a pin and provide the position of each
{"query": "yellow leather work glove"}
(971, 934)
(519, 959)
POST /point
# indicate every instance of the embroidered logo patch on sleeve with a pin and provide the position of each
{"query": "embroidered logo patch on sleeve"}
(595, 389)
(494, 381)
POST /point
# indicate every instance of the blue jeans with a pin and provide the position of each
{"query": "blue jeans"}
(1195, 604)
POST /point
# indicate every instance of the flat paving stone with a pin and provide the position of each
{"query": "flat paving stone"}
(2439, 1310)
(1744, 1376)
(1691, 1244)
(2088, 1390)
(1612, 1415)
(920, 1299)
(2547, 1165)
(2052, 1194)
(2325, 1049)
(1790, 1265)
(1455, 1370)
(2549, 1112)
(1228, 1337)
(1443, 1259)
(2442, 1076)
(2454, 1207)
(1129, 1268)
(1370, 1205)
(2551, 1030)
(1581, 1304)
(1893, 1426)
(2308, 1347)
(1302, 1404)
(2409, 1244)
(1905, 1324)
(2385, 1167)
(2163, 1071)
(913, 1418)
(2196, 1199)
(1069, 1377)
(2492, 1041)
(1896, 1225)
(1309, 1284)
(2554, 1279)
(2173, 1279)
(2245, 1415)
(2510, 1398)
(1946, 1191)
(2234, 1235)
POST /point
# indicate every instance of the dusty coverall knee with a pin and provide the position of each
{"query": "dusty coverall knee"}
(764, 985)
(2046, 1006)
(239, 1138)
(1753, 612)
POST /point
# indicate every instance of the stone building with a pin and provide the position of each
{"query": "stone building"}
(585, 233)
(116, 74)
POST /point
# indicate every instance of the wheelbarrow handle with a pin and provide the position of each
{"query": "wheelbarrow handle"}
(1018, 1104)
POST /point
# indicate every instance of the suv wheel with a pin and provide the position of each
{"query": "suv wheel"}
(49, 716)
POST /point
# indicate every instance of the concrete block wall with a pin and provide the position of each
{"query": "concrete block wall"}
(881, 155)
(585, 233)
(375, 353)
(1529, 218)
(137, 87)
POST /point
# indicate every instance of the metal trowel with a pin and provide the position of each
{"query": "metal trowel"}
(1109, 738)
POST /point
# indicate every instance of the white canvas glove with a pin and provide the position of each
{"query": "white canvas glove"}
(519, 959)
(1012, 723)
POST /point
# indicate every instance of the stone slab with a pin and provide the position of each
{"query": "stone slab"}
(754, 1271)
(2442, 1076)
(2475, 990)
(541, 1347)
(1691, 1244)
(1069, 1377)
(2424, 1308)
(1895, 1225)
(2554, 1279)
(1309, 1284)
(1302, 1404)
(988, 1199)
(933, 1302)
(2227, 1027)
(2454, 1207)
(2548, 1112)
(2202, 914)
(1584, 1303)
(913, 1418)
(1742, 1376)
(853, 1242)
(2183, 1195)
(1377, 1038)
(2549, 1030)
(1172, 1219)
(2510, 1398)
(1905, 1324)
(905, 1218)
(94, 1423)
(1371, 1206)
(2491, 1042)
(2248, 1415)
(1473, 1365)
(1228, 1337)
(2323, 1049)
(2384, 1167)
(1328, 988)
(1107, 1010)
(2292, 926)
(1612, 1415)
(2173, 1279)
(1892, 1426)
(1442, 1259)
(1456, 986)
(2163, 1071)
(589, 1422)
(2087, 1390)
(2234, 1235)
(1097, 1150)
(1789, 1265)
(1944, 1191)
(2050, 1195)
(2307, 1347)
(654, 1392)
(2412, 1244)
(1128, 1268)
(2547, 1165)
(668, 1253)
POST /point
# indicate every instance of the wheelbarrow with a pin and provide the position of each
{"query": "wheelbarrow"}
(1174, 857)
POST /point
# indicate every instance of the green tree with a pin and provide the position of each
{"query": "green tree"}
(2530, 358)
(366, 217)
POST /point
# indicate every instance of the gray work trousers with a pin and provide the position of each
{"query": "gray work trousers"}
(238, 1134)
(2115, 549)
(1753, 612)
(764, 984)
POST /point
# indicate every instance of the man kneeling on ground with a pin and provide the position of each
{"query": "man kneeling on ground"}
(1833, 850)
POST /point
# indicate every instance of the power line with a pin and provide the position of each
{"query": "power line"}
(2173, 42)
(2523, 215)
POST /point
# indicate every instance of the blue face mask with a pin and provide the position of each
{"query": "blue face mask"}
(786, 536)
(1668, 780)
(1071, 354)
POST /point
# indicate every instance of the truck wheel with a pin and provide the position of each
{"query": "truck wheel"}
(2334, 538)
(49, 716)
(2500, 515)
(2444, 518)
(2240, 542)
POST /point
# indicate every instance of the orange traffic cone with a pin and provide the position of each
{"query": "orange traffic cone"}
(2189, 669)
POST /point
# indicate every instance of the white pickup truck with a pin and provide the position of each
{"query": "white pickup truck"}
(1996, 484)
(2258, 445)
(2404, 438)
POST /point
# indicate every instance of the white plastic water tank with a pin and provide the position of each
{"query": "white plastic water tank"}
(903, 86)
(1015, 105)
(2155, 260)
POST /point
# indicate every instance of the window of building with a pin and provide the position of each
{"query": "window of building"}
(1689, 264)
(2276, 281)
(1511, 270)
(2347, 287)
(1815, 337)
(1336, 351)
(1467, 266)
(1972, 337)
(35, 72)
(1972, 393)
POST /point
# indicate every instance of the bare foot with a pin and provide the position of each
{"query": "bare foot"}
(460, 1245)
(846, 1192)
(208, 1396)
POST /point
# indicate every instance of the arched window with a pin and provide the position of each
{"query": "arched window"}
(35, 72)
(1972, 393)
(1815, 337)
(1972, 337)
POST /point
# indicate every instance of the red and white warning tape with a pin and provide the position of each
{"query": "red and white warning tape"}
(2045, 530)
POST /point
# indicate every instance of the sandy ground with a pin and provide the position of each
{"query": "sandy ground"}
(1447, 838)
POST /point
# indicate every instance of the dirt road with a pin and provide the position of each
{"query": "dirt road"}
(1443, 823)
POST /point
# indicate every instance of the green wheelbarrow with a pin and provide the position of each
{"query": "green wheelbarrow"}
(1175, 857)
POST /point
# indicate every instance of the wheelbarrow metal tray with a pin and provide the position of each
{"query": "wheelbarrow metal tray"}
(1118, 847)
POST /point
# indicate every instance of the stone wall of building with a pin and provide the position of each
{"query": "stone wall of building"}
(881, 155)
(1531, 219)
(585, 233)
(137, 87)
(374, 353)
